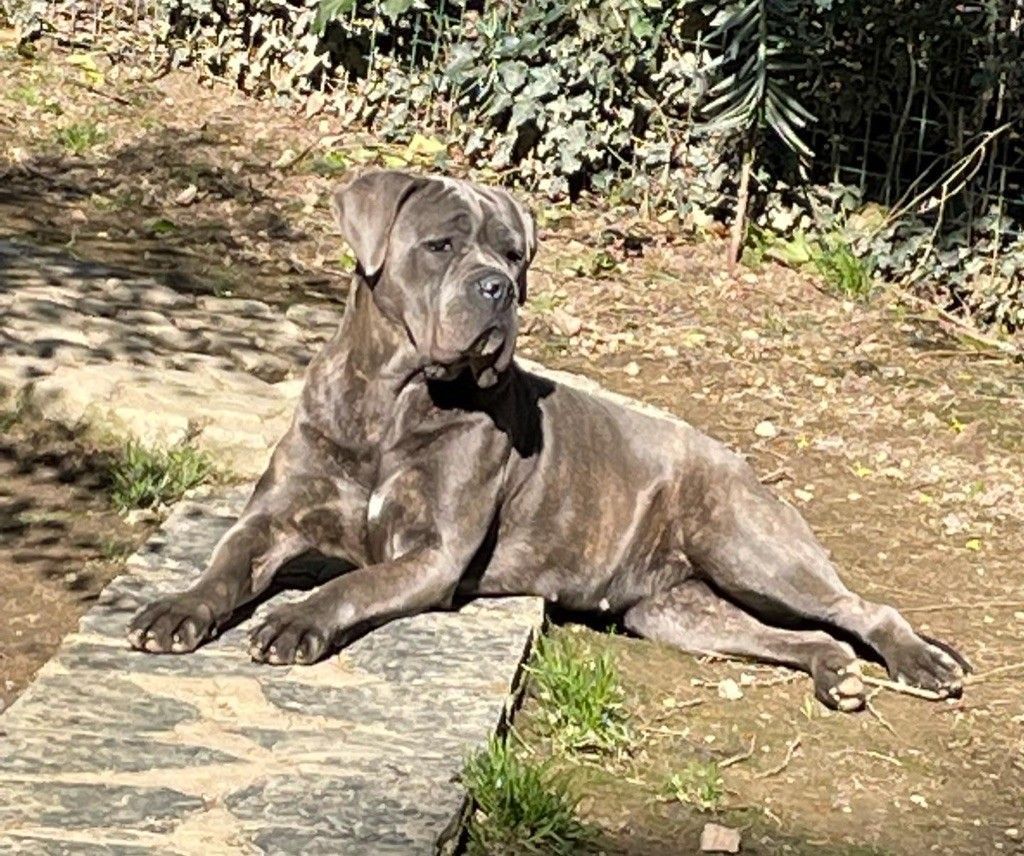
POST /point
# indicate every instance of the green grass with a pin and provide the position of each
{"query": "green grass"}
(520, 807)
(27, 95)
(699, 785)
(112, 550)
(841, 269)
(79, 137)
(143, 477)
(832, 256)
(15, 410)
(580, 696)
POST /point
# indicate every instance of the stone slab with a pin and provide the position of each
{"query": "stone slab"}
(126, 355)
(111, 751)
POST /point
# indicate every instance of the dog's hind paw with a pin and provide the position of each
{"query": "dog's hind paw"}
(837, 682)
(928, 666)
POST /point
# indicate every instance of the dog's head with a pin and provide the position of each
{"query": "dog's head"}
(446, 259)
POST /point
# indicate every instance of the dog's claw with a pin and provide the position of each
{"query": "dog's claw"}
(172, 625)
(288, 637)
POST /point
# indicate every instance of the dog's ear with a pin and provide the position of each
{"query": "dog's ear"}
(366, 207)
(529, 226)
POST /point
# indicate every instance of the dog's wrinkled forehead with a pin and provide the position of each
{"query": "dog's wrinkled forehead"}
(445, 203)
(386, 207)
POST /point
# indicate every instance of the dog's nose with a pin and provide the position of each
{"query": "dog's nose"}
(494, 287)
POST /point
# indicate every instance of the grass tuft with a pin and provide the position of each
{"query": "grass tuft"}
(699, 785)
(520, 806)
(831, 255)
(842, 270)
(580, 696)
(143, 477)
(79, 137)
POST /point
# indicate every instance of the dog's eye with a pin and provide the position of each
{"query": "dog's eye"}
(514, 256)
(441, 245)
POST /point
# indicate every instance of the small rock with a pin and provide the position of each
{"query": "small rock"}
(803, 495)
(766, 428)
(632, 369)
(919, 800)
(715, 838)
(187, 196)
(1012, 832)
(564, 323)
(729, 689)
(141, 515)
(287, 156)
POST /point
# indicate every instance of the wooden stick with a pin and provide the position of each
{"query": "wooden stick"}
(781, 474)
(739, 222)
(991, 673)
(881, 756)
(905, 689)
(874, 712)
(968, 330)
(942, 607)
(794, 744)
(742, 756)
(112, 96)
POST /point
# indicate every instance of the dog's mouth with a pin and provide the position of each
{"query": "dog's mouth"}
(481, 358)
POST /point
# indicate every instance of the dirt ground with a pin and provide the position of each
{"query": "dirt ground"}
(61, 542)
(899, 442)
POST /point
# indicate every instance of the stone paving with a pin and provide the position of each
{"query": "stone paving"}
(111, 751)
(135, 357)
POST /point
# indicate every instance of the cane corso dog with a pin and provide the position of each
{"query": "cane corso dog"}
(425, 457)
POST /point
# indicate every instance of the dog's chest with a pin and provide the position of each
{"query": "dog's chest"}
(396, 514)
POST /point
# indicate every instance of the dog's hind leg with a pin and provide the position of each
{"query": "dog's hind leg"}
(761, 554)
(693, 617)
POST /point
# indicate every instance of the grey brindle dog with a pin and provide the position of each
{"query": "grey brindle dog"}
(425, 457)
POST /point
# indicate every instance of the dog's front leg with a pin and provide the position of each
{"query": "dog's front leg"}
(303, 632)
(241, 568)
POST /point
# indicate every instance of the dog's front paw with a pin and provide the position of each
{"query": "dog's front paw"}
(173, 625)
(290, 634)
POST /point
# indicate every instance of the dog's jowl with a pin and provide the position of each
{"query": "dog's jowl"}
(424, 456)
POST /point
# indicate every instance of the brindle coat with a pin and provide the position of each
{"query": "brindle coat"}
(423, 455)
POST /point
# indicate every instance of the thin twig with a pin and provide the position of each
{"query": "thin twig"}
(881, 756)
(109, 95)
(969, 330)
(989, 604)
(794, 744)
(781, 474)
(991, 673)
(904, 689)
(661, 730)
(300, 156)
(874, 712)
(742, 756)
